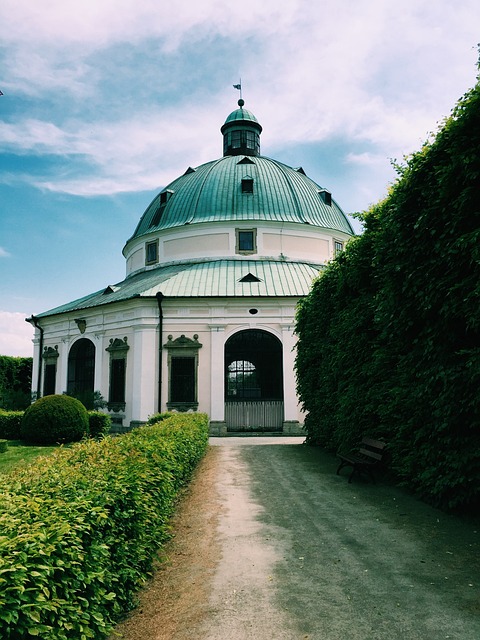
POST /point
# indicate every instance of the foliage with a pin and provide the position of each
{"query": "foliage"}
(10, 423)
(81, 527)
(21, 454)
(91, 400)
(158, 417)
(15, 382)
(3, 446)
(55, 419)
(389, 337)
(99, 424)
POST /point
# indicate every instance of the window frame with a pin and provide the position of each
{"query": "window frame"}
(238, 248)
(151, 243)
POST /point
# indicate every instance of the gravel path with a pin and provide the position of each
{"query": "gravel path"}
(271, 544)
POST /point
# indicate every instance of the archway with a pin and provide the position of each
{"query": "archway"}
(253, 382)
(81, 371)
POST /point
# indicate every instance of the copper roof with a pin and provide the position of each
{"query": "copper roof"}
(215, 278)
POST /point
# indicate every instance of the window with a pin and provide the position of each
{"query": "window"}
(236, 139)
(182, 379)
(251, 139)
(118, 367)
(326, 196)
(247, 185)
(50, 357)
(338, 247)
(161, 204)
(151, 252)
(246, 240)
(183, 376)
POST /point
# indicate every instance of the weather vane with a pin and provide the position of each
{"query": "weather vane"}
(239, 87)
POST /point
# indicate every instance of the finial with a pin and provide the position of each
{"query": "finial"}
(241, 103)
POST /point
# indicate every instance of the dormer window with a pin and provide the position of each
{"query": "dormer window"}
(246, 241)
(247, 185)
(326, 196)
(161, 204)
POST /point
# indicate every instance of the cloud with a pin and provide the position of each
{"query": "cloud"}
(4, 253)
(15, 335)
(129, 91)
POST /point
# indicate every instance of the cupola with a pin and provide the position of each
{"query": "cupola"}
(241, 133)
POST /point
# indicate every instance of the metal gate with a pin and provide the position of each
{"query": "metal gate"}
(266, 415)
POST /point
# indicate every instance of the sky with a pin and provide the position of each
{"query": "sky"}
(107, 101)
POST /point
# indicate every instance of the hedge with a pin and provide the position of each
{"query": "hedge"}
(10, 422)
(80, 528)
(99, 424)
(389, 337)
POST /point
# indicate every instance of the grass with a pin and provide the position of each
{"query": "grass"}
(19, 454)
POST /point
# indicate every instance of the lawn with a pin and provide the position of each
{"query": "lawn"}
(19, 453)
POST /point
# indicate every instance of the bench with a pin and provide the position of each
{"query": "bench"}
(363, 461)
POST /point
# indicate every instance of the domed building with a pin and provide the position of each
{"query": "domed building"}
(204, 319)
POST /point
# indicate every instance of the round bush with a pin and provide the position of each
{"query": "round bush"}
(55, 419)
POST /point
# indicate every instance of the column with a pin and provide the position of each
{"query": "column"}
(217, 397)
(143, 376)
(289, 378)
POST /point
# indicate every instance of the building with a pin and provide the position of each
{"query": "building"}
(204, 319)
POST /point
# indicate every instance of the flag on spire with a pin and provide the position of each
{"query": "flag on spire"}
(237, 86)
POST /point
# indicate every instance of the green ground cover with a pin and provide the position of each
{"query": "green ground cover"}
(19, 454)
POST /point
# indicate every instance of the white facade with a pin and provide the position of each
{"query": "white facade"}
(202, 322)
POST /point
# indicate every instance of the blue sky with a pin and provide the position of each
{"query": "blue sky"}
(107, 101)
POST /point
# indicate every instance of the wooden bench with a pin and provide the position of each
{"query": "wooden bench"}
(369, 455)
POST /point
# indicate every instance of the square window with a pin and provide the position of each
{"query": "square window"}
(247, 185)
(338, 247)
(246, 240)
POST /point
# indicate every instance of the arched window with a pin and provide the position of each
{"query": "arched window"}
(81, 371)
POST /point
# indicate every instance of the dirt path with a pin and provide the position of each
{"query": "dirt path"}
(270, 544)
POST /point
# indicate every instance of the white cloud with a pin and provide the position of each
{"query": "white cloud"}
(15, 335)
(364, 70)
(4, 253)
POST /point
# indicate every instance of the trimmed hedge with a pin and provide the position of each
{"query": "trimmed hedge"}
(10, 423)
(80, 528)
(389, 337)
(55, 419)
(99, 424)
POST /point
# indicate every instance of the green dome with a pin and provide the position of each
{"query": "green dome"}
(241, 114)
(241, 187)
(215, 192)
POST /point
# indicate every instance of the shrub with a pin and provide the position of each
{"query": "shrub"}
(3, 446)
(10, 423)
(55, 419)
(81, 527)
(158, 417)
(99, 424)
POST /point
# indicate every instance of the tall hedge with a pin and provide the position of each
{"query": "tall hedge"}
(389, 339)
(15, 382)
(80, 528)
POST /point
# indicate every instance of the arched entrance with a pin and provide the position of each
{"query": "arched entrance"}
(81, 371)
(253, 382)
